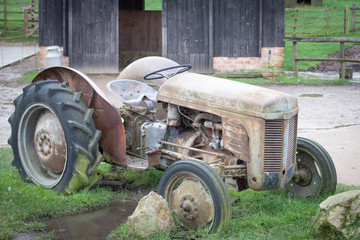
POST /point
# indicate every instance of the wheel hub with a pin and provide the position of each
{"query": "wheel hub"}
(188, 206)
(193, 204)
(49, 142)
(303, 175)
(43, 144)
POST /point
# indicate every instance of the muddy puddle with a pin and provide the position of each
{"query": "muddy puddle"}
(94, 224)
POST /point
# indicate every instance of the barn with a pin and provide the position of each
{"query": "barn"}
(226, 36)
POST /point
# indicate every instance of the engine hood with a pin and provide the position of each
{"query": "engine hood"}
(217, 94)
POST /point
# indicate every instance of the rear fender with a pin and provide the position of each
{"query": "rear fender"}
(106, 117)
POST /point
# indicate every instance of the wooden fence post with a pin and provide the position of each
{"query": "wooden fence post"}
(295, 22)
(342, 63)
(346, 20)
(295, 63)
(327, 20)
(26, 22)
(353, 12)
(5, 16)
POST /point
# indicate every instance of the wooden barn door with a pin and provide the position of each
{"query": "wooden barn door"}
(186, 33)
(237, 28)
(93, 36)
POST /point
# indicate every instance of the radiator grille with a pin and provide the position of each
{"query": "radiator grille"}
(291, 142)
(273, 145)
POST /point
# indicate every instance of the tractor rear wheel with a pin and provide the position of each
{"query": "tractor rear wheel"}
(54, 139)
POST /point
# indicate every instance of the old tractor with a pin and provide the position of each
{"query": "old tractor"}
(208, 134)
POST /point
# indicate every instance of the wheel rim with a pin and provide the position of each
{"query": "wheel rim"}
(42, 145)
(190, 201)
(307, 181)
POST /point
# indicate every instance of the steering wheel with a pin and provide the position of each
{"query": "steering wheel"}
(159, 73)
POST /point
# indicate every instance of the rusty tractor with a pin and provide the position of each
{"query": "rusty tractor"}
(208, 134)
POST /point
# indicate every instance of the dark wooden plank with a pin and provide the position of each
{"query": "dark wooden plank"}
(211, 35)
(187, 32)
(66, 27)
(164, 29)
(50, 22)
(93, 43)
(273, 23)
(131, 5)
(236, 28)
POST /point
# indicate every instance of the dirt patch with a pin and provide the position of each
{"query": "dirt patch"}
(9, 87)
(351, 53)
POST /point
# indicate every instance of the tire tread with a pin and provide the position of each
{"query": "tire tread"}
(78, 121)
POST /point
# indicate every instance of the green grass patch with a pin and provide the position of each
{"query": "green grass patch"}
(153, 5)
(15, 30)
(254, 81)
(317, 50)
(28, 77)
(25, 206)
(289, 80)
(256, 215)
(314, 95)
(336, 26)
(134, 179)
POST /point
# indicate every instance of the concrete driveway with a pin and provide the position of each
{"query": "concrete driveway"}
(330, 115)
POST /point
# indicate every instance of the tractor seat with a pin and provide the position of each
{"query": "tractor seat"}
(131, 92)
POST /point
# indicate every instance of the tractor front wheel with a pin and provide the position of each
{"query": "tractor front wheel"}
(54, 139)
(196, 195)
(315, 171)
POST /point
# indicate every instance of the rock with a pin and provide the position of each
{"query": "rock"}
(152, 215)
(339, 216)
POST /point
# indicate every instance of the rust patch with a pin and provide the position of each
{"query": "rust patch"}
(236, 139)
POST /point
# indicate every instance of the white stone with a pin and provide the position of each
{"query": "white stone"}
(152, 215)
(339, 216)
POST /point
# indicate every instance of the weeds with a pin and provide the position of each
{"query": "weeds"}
(28, 77)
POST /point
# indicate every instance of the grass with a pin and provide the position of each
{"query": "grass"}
(25, 206)
(134, 179)
(290, 80)
(318, 50)
(332, 4)
(254, 81)
(313, 50)
(256, 215)
(16, 34)
(153, 5)
(287, 79)
(28, 77)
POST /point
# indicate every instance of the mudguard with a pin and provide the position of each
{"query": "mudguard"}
(106, 117)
